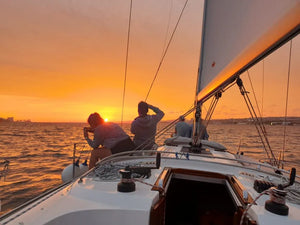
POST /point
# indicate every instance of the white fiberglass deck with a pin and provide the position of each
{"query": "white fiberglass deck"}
(90, 200)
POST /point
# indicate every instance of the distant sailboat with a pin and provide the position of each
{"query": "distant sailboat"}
(191, 181)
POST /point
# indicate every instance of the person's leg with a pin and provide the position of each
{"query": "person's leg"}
(97, 154)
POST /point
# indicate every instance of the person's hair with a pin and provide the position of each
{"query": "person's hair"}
(95, 119)
(181, 118)
(143, 108)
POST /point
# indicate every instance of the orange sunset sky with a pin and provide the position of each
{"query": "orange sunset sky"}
(61, 60)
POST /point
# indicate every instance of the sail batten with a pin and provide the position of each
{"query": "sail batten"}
(242, 32)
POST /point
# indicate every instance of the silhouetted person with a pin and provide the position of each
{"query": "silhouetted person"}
(109, 136)
(144, 126)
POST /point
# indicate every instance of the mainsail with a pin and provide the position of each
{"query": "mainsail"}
(237, 33)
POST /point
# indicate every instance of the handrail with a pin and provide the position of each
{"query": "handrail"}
(131, 155)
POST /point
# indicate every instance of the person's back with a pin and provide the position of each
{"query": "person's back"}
(144, 126)
(182, 128)
(108, 134)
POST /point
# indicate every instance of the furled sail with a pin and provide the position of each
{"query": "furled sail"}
(236, 33)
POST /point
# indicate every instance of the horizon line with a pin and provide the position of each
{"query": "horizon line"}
(129, 121)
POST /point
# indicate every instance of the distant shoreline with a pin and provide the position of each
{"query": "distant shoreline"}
(265, 120)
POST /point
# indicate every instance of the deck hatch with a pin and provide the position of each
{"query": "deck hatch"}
(198, 197)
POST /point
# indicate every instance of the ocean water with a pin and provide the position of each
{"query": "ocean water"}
(38, 152)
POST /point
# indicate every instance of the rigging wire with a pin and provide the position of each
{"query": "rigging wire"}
(263, 88)
(256, 102)
(166, 50)
(253, 116)
(281, 157)
(229, 86)
(208, 116)
(168, 28)
(172, 124)
(258, 124)
(212, 107)
(162, 58)
(126, 61)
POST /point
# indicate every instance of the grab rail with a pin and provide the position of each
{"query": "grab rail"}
(196, 157)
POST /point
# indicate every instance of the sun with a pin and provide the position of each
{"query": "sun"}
(106, 120)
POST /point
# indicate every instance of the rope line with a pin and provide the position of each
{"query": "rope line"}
(256, 102)
(161, 189)
(166, 50)
(126, 61)
(263, 88)
(281, 158)
(248, 206)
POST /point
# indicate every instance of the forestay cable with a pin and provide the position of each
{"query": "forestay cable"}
(165, 52)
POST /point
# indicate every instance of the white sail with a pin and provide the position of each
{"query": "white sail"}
(237, 32)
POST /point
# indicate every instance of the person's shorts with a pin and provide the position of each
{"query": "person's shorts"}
(123, 146)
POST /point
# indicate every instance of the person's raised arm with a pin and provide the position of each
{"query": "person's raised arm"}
(96, 141)
(159, 114)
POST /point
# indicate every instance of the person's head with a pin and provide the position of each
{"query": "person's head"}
(95, 119)
(181, 118)
(142, 108)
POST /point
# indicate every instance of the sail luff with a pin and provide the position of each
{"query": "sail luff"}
(202, 49)
(225, 55)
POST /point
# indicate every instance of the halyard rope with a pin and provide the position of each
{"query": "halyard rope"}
(152, 185)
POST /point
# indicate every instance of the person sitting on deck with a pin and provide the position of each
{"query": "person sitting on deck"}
(144, 126)
(109, 135)
(182, 128)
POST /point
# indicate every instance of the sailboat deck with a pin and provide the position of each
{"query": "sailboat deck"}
(99, 200)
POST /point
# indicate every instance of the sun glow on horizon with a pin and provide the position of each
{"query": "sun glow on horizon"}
(53, 78)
